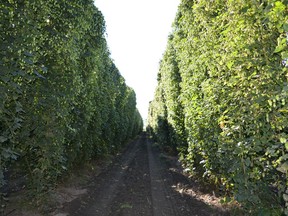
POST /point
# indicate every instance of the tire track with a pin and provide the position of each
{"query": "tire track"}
(160, 197)
(104, 187)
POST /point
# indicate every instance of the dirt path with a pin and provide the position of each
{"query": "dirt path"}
(142, 182)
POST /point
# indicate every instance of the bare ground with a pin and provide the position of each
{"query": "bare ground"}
(143, 182)
(140, 181)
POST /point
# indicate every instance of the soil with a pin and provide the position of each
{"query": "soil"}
(141, 180)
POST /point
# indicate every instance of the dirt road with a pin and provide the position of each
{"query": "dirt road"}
(142, 181)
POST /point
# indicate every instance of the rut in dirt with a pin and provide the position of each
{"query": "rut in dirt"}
(139, 182)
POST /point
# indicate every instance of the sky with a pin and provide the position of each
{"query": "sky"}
(137, 33)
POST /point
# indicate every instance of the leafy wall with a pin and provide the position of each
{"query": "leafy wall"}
(222, 94)
(62, 101)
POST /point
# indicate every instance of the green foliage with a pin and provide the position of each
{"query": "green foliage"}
(222, 89)
(166, 120)
(62, 101)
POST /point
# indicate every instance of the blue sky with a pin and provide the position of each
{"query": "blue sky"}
(137, 32)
